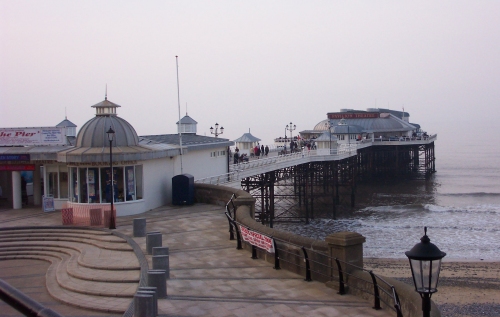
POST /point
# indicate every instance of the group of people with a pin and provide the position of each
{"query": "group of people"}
(259, 151)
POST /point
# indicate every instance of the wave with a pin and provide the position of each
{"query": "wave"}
(487, 208)
(475, 194)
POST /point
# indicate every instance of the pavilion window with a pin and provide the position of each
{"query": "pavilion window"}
(93, 184)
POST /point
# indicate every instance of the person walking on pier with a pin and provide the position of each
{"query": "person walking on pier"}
(262, 150)
(236, 156)
(266, 149)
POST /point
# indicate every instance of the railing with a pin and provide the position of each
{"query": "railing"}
(23, 303)
(342, 151)
(283, 254)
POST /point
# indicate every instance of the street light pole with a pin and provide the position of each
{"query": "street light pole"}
(290, 128)
(425, 262)
(217, 133)
(328, 124)
(112, 220)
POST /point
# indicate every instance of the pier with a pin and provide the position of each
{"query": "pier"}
(312, 183)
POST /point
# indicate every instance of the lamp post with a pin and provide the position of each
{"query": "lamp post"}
(217, 133)
(329, 126)
(112, 220)
(290, 128)
(425, 262)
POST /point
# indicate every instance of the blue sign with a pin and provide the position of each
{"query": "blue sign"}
(14, 157)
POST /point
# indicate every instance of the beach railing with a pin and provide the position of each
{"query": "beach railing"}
(315, 263)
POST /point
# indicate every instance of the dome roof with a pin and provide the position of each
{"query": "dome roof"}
(93, 132)
(322, 125)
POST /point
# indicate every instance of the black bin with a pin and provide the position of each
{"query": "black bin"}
(183, 189)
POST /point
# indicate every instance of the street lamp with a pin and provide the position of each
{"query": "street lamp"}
(217, 133)
(111, 136)
(290, 128)
(329, 126)
(425, 262)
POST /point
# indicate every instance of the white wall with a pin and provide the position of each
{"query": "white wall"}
(201, 164)
(157, 183)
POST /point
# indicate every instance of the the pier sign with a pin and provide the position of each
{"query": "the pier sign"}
(257, 239)
(32, 136)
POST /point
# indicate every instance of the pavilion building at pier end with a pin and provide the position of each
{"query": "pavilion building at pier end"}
(75, 170)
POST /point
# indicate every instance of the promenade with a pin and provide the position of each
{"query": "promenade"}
(208, 275)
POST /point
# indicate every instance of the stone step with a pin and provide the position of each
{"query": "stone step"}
(91, 255)
(98, 272)
(87, 240)
(111, 289)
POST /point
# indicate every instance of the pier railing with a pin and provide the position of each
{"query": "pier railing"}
(236, 170)
(316, 263)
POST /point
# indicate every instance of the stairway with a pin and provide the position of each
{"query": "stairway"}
(89, 268)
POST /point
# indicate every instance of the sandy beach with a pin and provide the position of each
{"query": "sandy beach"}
(465, 289)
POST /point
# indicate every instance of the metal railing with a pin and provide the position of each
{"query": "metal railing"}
(23, 303)
(342, 151)
(379, 285)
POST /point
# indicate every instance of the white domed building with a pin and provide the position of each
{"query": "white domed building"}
(79, 176)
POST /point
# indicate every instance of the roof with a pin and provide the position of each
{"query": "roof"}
(66, 123)
(36, 152)
(247, 138)
(325, 136)
(386, 123)
(105, 104)
(93, 132)
(187, 120)
(189, 140)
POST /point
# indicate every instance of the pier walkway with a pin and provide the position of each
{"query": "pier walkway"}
(208, 277)
(273, 162)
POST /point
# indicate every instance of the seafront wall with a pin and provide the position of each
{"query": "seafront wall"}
(345, 246)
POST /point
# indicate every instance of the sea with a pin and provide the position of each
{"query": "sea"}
(459, 205)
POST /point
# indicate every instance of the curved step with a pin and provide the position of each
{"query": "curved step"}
(110, 289)
(93, 274)
(98, 272)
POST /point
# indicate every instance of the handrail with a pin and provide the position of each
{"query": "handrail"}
(341, 273)
(23, 303)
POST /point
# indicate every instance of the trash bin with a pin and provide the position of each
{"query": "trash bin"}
(183, 189)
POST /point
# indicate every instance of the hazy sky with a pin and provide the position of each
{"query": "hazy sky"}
(250, 64)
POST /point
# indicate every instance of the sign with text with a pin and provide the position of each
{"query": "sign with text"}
(17, 167)
(14, 157)
(48, 203)
(359, 115)
(32, 136)
(257, 239)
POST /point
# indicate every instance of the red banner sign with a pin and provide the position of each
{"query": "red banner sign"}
(19, 167)
(359, 115)
(257, 239)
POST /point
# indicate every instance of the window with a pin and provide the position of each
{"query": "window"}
(93, 184)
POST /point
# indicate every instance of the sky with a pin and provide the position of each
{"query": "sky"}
(251, 65)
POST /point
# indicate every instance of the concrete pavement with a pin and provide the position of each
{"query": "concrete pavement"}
(208, 276)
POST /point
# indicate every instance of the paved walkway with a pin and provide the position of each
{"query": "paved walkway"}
(208, 276)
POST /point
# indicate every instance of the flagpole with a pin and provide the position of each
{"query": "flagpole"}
(179, 107)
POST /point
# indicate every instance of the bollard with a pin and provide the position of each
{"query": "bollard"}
(139, 227)
(161, 262)
(155, 296)
(158, 279)
(160, 251)
(153, 239)
(143, 305)
(155, 299)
